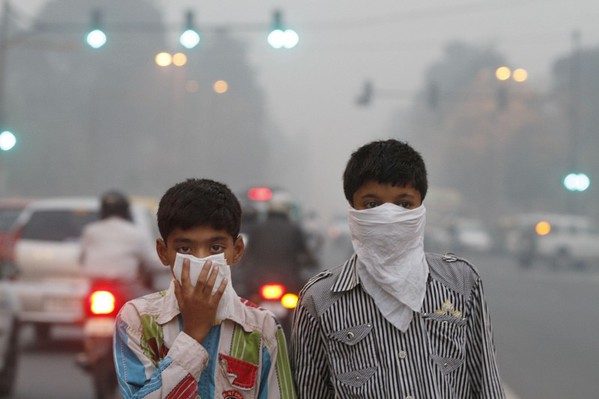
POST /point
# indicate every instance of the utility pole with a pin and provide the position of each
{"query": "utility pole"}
(4, 20)
(574, 202)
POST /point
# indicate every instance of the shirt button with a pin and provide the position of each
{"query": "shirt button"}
(350, 336)
(402, 354)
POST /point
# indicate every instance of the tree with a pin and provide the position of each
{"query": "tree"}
(498, 156)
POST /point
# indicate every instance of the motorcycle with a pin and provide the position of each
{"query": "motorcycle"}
(102, 304)
(280, 300)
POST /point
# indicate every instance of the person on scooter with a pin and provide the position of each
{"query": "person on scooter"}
(278, 249)
(198, 338)
(114, 248)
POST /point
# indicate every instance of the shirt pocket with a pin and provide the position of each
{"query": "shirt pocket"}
(354, 358)
(239, 375)
(447, 340)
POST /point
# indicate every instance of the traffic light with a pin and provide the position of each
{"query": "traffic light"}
(96, 37)
(577, 182)
(7, 140)
(432, 95)
(280, 36)
(190, 36)
(365, 96)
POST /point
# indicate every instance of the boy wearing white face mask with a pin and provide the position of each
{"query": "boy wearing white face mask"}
(393, 321)
(198, 338)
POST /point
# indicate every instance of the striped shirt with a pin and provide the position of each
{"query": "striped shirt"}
(244, 357)
(342, 346)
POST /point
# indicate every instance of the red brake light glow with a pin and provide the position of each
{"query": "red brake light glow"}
(272, 291)
(260, 194)
(102, 302)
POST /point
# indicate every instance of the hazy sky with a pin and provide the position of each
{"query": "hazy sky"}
(311, 89)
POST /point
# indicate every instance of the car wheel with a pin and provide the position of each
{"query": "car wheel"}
(42, 333)
(562, 260)
(9, 374)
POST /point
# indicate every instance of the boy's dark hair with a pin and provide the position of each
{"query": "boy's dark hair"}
(390, 161)
(199, 202)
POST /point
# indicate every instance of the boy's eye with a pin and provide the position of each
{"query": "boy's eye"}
(184, 250)
(406, 205)
(371, 204)
(217, 248)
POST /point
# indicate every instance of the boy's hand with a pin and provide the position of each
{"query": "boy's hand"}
(197, 304)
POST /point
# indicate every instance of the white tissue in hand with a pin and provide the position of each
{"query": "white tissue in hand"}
(196, 265)
(225, 306)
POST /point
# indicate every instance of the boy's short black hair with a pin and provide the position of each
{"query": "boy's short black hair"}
(390, 161)
(199, 202)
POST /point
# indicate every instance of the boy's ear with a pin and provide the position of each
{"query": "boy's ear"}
(239, 249)
(162, 251)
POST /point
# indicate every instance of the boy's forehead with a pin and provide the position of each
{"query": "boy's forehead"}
(199, 233)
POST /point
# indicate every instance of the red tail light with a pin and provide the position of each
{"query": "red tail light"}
(8, 245)
(272, 292)
(102, 303)
(259, 194)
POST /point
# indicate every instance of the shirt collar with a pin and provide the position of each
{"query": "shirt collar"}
(169, 309)
(348, 278)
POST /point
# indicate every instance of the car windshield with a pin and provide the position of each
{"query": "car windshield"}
(57, 225)
(7, 218)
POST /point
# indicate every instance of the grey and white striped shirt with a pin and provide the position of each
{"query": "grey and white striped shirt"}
(342, 346)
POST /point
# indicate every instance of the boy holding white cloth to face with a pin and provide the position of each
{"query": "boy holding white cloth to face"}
(393, 321)
(198, 338)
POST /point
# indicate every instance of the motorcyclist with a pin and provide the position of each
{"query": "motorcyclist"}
(114, 248)
(277, 248)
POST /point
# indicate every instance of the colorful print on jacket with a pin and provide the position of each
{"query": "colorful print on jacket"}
(244, 357)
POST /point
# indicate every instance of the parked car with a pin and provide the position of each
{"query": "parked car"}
(561, 241)
(9, 337)
(49, 284)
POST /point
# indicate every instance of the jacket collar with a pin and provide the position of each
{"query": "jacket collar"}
(348, 278)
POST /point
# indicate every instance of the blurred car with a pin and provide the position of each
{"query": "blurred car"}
(49, 284)
(9, 337)
(468, 234)
(562, 241)
(10, 209)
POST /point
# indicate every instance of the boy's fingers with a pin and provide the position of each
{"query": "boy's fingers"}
(185, 273)
(204, 273)
(212, 278)
(221, 289)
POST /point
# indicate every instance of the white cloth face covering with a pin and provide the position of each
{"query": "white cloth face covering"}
(226, 305)
(389, 242)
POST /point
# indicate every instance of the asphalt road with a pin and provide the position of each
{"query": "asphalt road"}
(546, 332)
(546, 326)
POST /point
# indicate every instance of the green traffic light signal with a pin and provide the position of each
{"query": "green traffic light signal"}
(7, 140)
(96, 38)
(280, 36)
(190, 36)
(577, 182)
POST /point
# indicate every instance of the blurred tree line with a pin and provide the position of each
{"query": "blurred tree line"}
(504, 147)
(94, 119)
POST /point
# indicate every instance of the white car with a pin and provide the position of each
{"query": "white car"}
(49, 284)
(560, 240)
(9, 336)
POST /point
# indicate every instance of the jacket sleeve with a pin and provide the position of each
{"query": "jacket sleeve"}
(150, 370)
(277, 379)
(309, 357)
(481, 358)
